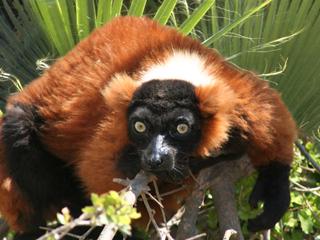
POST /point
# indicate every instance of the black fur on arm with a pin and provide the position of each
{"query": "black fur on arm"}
(43, 178)
(233, 149)
(198, 164)
(271, 188)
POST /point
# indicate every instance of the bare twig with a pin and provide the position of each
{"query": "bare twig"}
(87, 233)
(61, 231)
(302, 188)
(305, 153)
(151, 197)
(315, 215)
(150, 212)
(176, 218)
(201, 235)
(159, 199)
(163, 233)
(108, 232)
(266, 235)
(173, 191)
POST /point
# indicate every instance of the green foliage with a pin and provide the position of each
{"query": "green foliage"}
(237, 21)
(302, 221)
(115, 210)
(164, 11)
(188, 25)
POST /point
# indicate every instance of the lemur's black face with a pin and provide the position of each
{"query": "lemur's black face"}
(164, 127)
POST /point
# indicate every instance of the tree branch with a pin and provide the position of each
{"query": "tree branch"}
(307, 156)
(220, 178)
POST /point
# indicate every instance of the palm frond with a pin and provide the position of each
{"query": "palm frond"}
(261, 35)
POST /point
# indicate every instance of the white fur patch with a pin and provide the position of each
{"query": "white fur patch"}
(180, 65)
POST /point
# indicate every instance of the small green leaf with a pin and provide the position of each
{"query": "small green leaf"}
(89, 210)
(297, 198)
(296, 235)
(95, 199)
(292, 222)
(306, 222)
(309, 146)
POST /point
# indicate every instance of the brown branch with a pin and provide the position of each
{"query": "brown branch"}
(220, 178)
(187, 226)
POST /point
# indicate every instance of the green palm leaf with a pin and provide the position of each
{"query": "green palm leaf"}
(258, 35)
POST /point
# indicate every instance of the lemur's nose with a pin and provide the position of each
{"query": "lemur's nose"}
(157, 155)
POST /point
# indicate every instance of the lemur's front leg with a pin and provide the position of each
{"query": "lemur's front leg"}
(271, 188)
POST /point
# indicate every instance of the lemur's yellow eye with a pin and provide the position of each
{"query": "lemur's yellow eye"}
(140, 127)
(182, 128)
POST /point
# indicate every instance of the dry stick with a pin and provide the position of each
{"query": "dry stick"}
(159, 201)
(202, 235)
(221, 179)
(176, 218)
(266, 235)
(61, 231)
(87, 233)
(165, 230)
(108, 232)
(163, 233)
(307, 156)
(150, 213)
(173, 191)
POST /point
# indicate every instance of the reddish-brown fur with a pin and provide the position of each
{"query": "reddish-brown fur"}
(84, 96)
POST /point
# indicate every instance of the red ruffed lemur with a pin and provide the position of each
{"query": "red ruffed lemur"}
(137, 95)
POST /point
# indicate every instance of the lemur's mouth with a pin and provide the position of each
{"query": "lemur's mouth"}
(175, 175)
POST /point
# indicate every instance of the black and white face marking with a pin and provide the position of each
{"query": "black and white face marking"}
(164, 127)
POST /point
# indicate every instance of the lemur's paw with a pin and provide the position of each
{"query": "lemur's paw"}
(271, 188)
